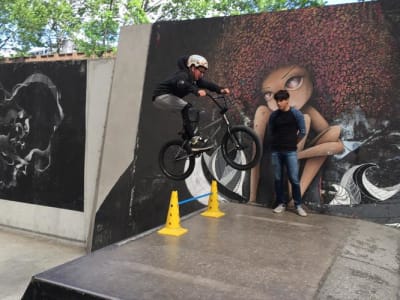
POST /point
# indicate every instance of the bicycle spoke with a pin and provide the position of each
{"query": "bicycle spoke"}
(175, 161)
(241, 147)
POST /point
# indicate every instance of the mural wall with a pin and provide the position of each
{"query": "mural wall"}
(42, 133)
(341, 67)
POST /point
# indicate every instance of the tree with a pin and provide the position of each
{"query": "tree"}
(36, 23)
(190, 9)
(62, 23)
(100, 23)
(6, 27)
(93, 25)
(21, 21)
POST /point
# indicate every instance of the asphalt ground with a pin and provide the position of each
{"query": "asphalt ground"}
(24, 254)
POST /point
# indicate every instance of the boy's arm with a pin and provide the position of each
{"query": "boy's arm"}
(271, 123)
(301, 124)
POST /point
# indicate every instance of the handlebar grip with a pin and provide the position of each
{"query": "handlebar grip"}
(216, 97)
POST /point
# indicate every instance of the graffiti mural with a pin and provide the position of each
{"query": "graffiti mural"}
(340, 65)
(18, 152)
(41, 136)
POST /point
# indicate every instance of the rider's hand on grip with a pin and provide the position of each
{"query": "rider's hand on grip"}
(202, 93)
(225, 91)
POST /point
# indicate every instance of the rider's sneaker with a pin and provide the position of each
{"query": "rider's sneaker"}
(199, 144)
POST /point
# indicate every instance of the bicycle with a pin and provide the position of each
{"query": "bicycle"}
(240, 146)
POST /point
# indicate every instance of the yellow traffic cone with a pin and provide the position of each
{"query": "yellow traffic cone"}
(173, 224)
(213, 205)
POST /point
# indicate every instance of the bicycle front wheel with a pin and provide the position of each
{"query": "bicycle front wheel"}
(175, 160)
(241, 148)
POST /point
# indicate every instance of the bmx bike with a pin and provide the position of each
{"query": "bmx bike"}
(239, 145)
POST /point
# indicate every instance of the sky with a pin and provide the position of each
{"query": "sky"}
(330, 2)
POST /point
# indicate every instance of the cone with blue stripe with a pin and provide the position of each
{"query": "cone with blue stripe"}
(213, 204)
(173, 223)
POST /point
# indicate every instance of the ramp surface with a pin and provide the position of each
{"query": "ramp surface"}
(250, 253)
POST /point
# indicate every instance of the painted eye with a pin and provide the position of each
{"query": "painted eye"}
(268, 96)
(294, 82)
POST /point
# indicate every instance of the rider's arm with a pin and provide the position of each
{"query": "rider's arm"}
(211, 86)
(184, 84)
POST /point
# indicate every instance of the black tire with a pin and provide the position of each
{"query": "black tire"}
(176, 160)
(249, 152)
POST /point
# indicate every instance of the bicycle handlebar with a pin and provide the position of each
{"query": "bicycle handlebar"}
(223, 109)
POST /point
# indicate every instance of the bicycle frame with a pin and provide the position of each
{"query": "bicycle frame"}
(221, 120)
(216, 123)
(235, 140)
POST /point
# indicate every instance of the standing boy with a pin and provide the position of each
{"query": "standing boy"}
(287, 128)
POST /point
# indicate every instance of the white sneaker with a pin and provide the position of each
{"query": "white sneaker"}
(280, 209)
(301, 212)
(200, 144)
(198, 139)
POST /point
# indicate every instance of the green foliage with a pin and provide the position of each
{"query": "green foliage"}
(99, 27)
(190, 9)
(36, 23)
(61, 25)
(93, 25)
(136, 13)
(101, 22)
(6, 27)
(22, 25)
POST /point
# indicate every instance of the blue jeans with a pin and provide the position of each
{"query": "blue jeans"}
(289, 160)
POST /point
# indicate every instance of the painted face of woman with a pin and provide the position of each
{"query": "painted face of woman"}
(295, 79)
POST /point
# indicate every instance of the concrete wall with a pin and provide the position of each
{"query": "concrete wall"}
(125, 192)
(68, 223)
(100, 77)
(112, 104)
(120, 141)
(124, 108)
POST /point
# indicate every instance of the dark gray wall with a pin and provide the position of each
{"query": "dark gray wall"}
(42, 138)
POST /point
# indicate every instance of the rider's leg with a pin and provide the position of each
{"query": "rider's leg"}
(169, 102)
(190, 117)
(173, 103)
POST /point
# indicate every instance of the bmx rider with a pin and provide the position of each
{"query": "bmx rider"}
(169, 94)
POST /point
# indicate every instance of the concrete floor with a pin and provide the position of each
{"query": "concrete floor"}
(250, 253)
(24, 254)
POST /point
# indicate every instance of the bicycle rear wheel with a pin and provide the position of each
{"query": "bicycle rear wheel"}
(175, 160)
(241, 148)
